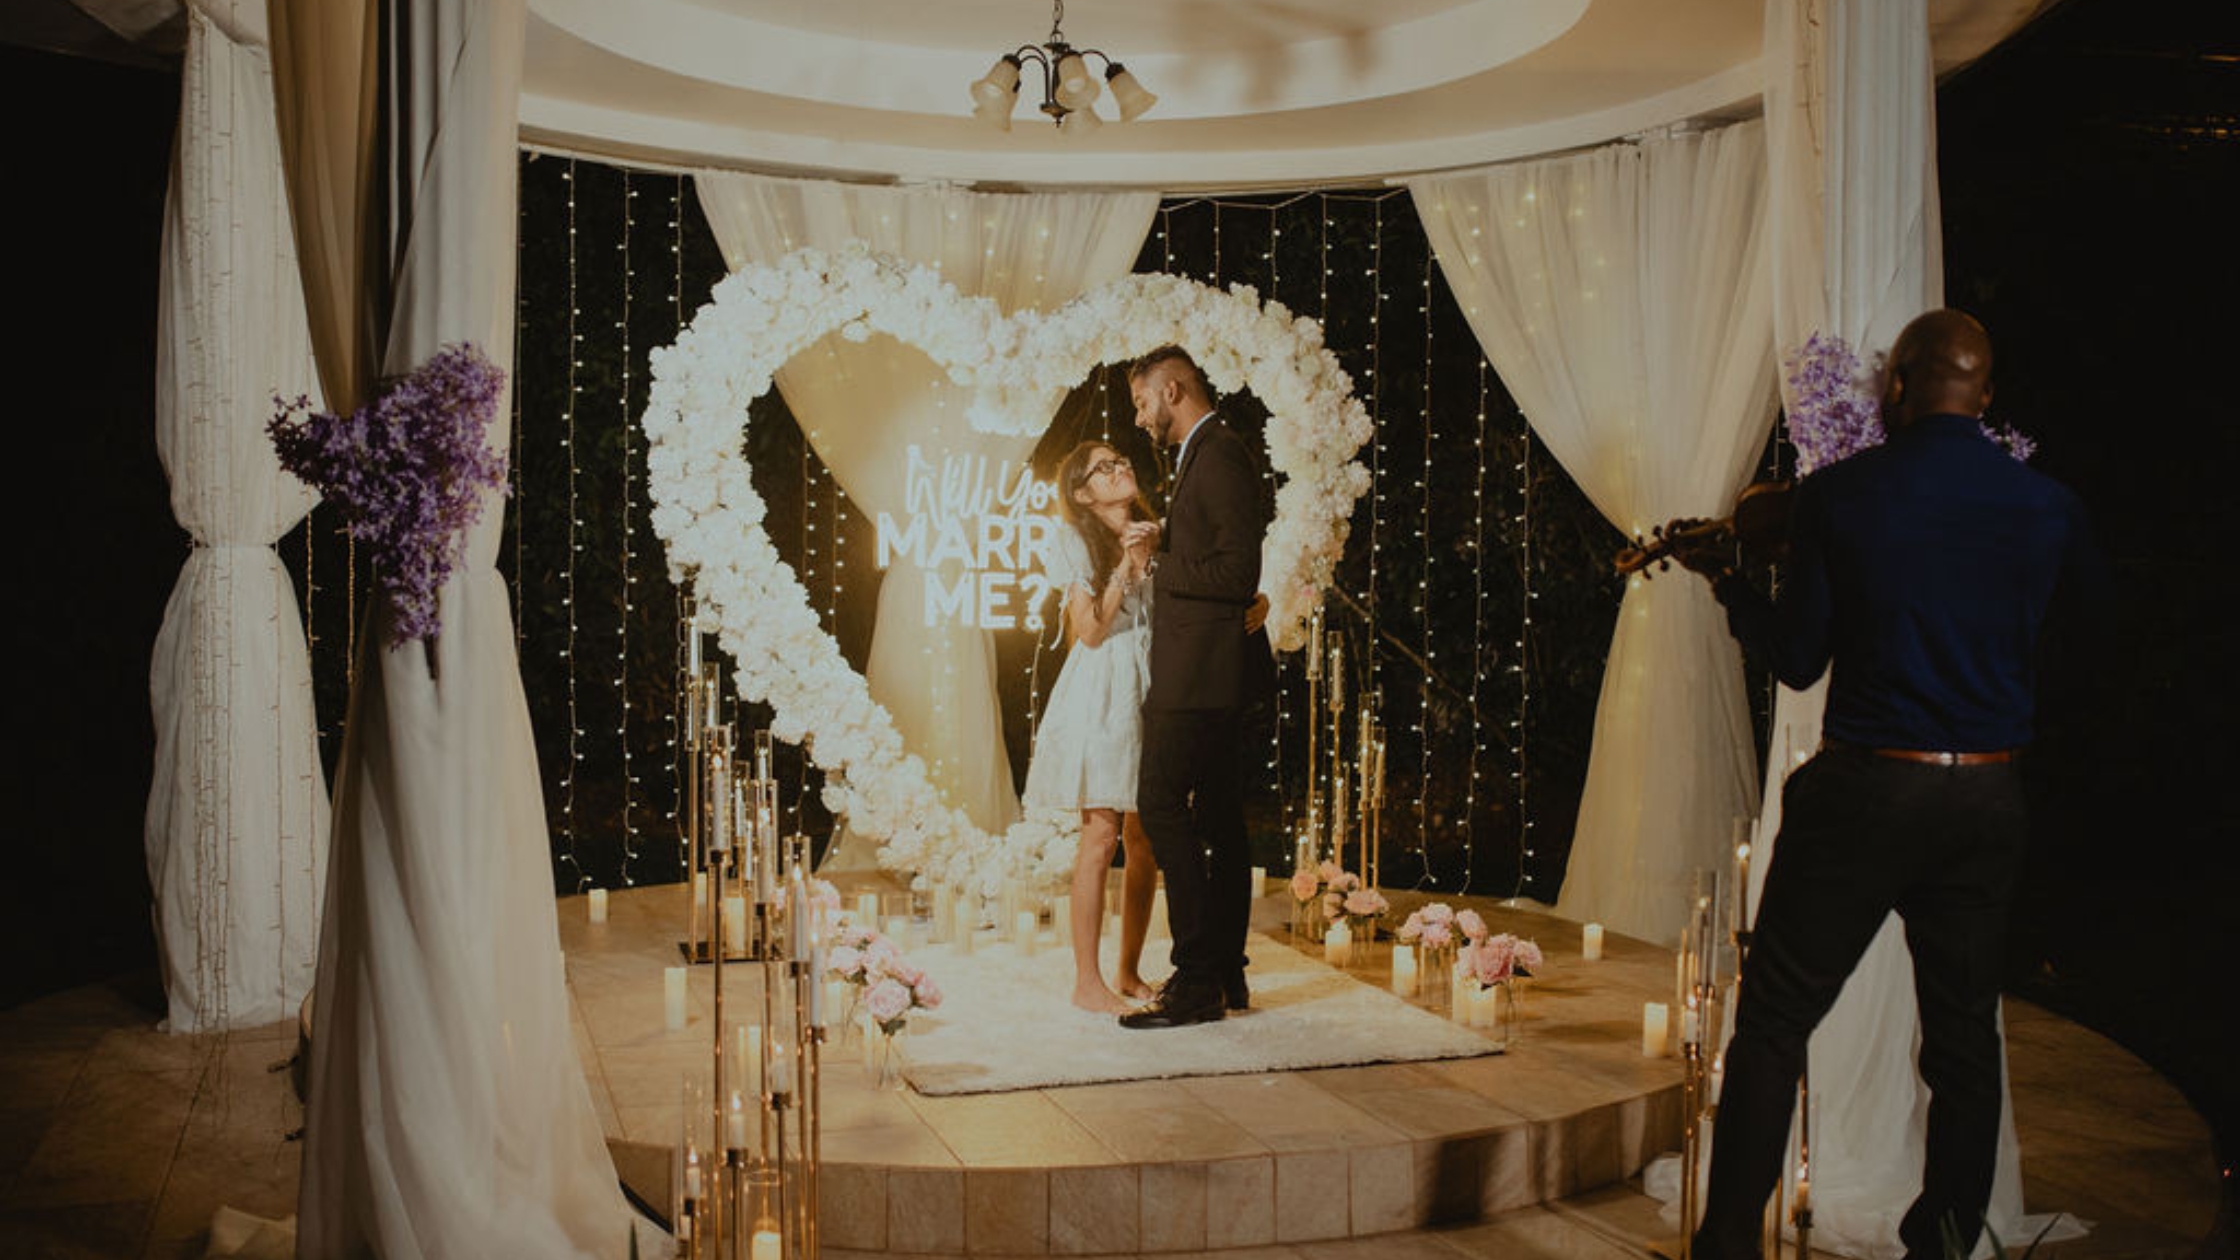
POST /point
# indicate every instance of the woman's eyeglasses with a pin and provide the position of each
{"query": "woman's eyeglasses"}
(1108, 467)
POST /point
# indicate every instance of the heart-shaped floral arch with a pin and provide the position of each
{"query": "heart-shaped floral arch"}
(711, 520)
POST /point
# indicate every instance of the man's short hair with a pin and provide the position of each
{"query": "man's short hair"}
(1171, 354)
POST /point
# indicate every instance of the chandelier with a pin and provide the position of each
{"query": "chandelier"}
(1068, 88)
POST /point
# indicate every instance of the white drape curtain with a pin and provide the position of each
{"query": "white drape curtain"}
(862, 405)
(448, 1114)
(237, 817)
(1857, 252)
(1622, 296)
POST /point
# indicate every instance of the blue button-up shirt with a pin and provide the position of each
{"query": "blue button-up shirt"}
(1921, 571)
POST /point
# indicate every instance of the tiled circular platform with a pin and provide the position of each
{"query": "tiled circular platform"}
(1173, 1165)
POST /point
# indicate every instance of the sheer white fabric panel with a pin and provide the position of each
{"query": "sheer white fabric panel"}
(448, 1113)
(863, 405)
(1857, 252)
(1622, 295)
(237, 816)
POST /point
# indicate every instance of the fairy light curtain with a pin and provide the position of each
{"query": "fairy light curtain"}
(237, 817)
(862, 406)
(448, 1114)
(1622, 297)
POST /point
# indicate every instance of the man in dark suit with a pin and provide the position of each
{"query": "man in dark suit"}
(1206, 669)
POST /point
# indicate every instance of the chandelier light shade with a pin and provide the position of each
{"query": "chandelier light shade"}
(1128, 94)
(1069, 90)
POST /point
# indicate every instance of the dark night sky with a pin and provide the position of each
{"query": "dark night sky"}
(2090, 181)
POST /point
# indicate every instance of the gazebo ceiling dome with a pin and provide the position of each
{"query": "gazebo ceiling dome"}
(1250, 93)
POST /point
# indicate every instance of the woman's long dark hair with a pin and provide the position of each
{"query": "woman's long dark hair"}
(1104, 545)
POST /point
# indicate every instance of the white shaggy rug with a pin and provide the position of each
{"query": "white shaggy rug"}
(1006, 1023)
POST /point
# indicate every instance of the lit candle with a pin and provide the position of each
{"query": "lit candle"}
(967, 927)
(734, 925)
(765, 1245)
(1303, 857)
(719, 797)
(699, 888)
(735, 1122)
(781, 1069)
(597, 902)
(1404, 970)
(867, 909)
(1691, 1024)
(797, 916)
(1259, 881)
(1654, 1018)
(1590, 942)
(1337, 945)
(897, 927)
(1718, 1075)
(835, 995)
(672, 995)
(1029, 927)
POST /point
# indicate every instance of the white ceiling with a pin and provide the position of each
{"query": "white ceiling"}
(1251, 92)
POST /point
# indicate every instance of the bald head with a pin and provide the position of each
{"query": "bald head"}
(1941, 365)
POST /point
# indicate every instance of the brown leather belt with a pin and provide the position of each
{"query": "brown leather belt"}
(1927, 757)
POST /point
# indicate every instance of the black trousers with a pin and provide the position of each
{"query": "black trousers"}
(1190, 796)
(1862, 836)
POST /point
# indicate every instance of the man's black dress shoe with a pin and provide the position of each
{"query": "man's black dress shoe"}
(1177, 1004)
(1235, 993)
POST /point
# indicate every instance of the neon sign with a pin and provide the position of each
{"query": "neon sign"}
(992, 528)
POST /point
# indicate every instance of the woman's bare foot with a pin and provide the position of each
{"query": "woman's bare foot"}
(1096, 997)
(1135, 987)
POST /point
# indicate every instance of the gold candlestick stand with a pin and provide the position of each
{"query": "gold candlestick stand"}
(740, 1196)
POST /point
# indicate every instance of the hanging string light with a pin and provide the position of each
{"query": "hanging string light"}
(678, 666)
(1423, 583)
(568, 858)
(1477, 635)
(1524, 633)
(629, 578)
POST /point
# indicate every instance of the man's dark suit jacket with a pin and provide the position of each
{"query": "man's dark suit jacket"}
(1208, 572)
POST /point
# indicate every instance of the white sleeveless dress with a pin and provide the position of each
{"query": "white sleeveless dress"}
(1091, 734)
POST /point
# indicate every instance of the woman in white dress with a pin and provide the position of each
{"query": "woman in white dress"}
(1091, 734)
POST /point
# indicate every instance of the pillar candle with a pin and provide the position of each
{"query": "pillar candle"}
(1404, 970)
(1337, 945)
(867, 910)
(672, 995)
(597, 902)
(735, 1122)
(897, 928)
(1259, 881)
(699, 888)
(765, 1245)
(1654, 1017)
(1029, 927)
(967, 927)
(1590, 942)
(944, 913)
(734, 925)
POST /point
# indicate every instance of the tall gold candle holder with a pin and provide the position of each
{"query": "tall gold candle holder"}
(749, 1189)
(1310, 850)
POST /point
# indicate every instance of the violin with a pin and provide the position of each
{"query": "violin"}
(1759, 524)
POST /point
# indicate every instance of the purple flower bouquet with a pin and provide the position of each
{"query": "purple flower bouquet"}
(407, 469)
(1836, 411)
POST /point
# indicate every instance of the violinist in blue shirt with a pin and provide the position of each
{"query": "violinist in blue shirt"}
(1918, 577)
